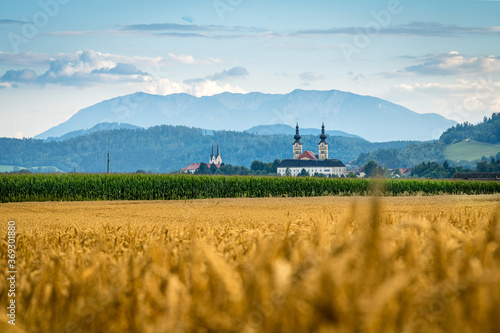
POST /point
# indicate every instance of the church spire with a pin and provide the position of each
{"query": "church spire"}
(323, 144)
(297, 145)
(216, 158)
(323, 135)
(297, 136)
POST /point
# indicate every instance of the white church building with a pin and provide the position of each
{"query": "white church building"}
(308, 161)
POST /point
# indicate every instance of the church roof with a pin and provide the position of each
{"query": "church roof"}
(192, 166)
(308, 155)
(311, 163)
(195, 166)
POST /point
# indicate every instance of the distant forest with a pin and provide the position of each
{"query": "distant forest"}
(488, 131)
(434, 151)
(407, 157)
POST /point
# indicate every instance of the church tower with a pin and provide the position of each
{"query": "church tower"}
(215, 158)
(297, 145)
(323, 145)
(218, 158)
(212, 156)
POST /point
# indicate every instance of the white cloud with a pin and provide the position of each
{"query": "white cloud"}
(89, 67)
(86, 67)
(197, 87)
(37, 59)
(120, 69)
(481, 87)
(411, 29)
(235, 72)
(33, 59)
(452, 63)
(24, 75)
(207, 86)
(174, 30)
(190, 60)
(461, 100)
(311, 76)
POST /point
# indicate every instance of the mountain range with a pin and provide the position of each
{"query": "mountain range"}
(97, 128)
(372, 118)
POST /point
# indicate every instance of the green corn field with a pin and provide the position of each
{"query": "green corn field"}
(76, 187)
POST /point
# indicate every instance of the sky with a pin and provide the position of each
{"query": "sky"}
(59, 56)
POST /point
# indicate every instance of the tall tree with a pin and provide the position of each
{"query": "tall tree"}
(203, 169)
(213, 169)
(371, 169)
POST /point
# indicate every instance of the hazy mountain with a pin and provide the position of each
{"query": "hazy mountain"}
(371, 118)
(289, 130)
(96, 128)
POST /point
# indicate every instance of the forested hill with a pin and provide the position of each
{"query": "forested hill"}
(168, 148)
(488, 131)
(481, 141)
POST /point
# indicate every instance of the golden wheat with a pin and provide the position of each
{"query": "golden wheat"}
(419, 264)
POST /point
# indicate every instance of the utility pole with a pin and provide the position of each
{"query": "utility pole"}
(108, 161)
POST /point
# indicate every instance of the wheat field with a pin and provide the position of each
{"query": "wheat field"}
(328, 264)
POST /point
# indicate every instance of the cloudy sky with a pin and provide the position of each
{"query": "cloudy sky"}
(59, 56)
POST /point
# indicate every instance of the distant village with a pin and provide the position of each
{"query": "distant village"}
(303, 163)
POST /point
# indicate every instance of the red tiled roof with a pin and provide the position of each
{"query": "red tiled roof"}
(308, 155)
(192, 166)
(195, 166)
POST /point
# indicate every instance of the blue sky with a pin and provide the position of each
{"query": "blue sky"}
(59, 56)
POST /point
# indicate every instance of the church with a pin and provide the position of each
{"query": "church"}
(215, 159)
(313, 164)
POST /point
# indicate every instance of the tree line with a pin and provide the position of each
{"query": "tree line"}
(488, 131)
